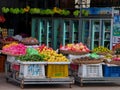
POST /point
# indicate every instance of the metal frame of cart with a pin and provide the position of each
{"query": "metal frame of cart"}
(24, 81)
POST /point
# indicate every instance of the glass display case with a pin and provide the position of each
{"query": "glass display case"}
(66, 28)
(42, 30)
(86, 32)
(106, 33)
(70, 31)
(57, 40)
(35, 31)
(96, 32)
(54, 32)
(49, 31)
(75, 30)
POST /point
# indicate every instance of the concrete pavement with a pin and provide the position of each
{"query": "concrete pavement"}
(14, 86)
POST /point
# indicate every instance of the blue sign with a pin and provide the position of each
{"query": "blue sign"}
(100, 11)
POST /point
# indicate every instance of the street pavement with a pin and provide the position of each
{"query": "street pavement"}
(14, 86)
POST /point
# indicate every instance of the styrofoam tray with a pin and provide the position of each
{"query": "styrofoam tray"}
(58, 62)
(32, 62)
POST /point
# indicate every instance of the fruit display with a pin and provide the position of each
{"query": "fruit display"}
(2, 19)
(26, 9)
(31, 57)
(57, 10)
(116, 58)
(48, 12)
(102, 50)
(112, 59)
(91, 58)
(21, 11)
(108, 56)
(85, 12)
(65, 12)
(5, 9)
(78, 47)
(116, 48)
(14, 10)
(14, 49)
(8, 40)
(29, 40)
(51, 55)
(76, 13)
(34, 11)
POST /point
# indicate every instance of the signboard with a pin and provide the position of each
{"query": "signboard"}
(116, 29)
(98, 11)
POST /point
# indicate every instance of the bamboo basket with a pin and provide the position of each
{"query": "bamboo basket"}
(113, 62)
(72, 52)
(87, 61)
(10, 54)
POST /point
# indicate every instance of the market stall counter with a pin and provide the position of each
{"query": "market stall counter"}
(35, 65)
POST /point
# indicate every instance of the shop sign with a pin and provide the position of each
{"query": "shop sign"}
(116, 29)
(99, 11)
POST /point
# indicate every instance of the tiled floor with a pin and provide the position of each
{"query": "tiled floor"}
(14, 86)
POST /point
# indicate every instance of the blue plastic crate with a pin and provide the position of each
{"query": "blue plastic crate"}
(111, 71)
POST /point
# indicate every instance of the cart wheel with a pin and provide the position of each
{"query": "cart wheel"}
(81, 84)
(70, 86)
(22, 85)
(7, 79)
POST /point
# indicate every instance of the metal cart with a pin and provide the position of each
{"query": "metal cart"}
(13, 75)
(94, 79)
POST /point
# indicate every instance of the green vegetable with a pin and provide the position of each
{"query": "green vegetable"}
(33, 57)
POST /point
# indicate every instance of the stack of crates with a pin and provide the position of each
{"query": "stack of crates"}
(90, 70)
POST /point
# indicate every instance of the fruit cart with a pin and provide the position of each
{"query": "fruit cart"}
(95, 71)
(110, 74)
(37, 72)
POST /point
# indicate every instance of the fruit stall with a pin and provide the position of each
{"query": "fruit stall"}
(35, 64)
(99, 65)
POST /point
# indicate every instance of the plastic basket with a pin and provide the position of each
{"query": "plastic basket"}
(57, 70)
(16, 67)
(73, 52)
(111, 71)
(74, 66)
(32, 70)
(90, 70)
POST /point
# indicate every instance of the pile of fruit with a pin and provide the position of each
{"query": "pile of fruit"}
(108, 56)
(9, 40)
(102, 50)
(15, 10)
(51, 55)
(14, 49)
(2, 19)
(116, 48)
(31, 55)
(29, 40)
(88, 59)
(78, 47)
(116, 58)
(39, 53)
